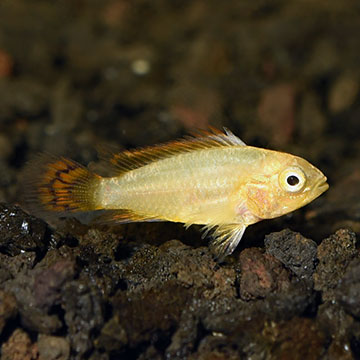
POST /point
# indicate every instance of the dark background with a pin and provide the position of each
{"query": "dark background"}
(75, 74)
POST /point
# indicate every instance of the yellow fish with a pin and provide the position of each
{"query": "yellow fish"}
(211, 178)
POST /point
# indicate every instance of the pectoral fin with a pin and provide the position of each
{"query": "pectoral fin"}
(225, 239)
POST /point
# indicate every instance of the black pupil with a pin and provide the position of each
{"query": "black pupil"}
(292, 180)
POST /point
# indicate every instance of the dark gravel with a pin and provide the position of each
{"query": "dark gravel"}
(282, 75)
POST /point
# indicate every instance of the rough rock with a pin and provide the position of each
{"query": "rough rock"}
(36, 292)
(261, 274)
(348, 289)
(334, 254)
(295, 251)
(83, 317)
(20, 232)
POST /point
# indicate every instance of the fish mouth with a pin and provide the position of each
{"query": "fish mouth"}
(321, 186)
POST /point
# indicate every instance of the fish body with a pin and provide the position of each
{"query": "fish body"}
(212, 179)
(197, 187)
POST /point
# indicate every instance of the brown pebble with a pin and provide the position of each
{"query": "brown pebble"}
(8, 308)
(276, 112)
(53, 348)
(343, 93)
(6, 64)
(19, 347)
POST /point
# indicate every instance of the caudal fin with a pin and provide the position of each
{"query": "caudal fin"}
(58, 185)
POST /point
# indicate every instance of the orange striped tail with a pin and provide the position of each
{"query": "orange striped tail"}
(56, 184)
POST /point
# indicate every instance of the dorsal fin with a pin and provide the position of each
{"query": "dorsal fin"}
(133, 159)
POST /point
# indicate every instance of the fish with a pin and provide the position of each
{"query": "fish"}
(210, 178)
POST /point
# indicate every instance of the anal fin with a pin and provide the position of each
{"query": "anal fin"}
(122, 216)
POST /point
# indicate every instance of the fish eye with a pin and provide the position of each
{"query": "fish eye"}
(292, 179)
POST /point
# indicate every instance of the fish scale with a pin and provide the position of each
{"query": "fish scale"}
(173, 191)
